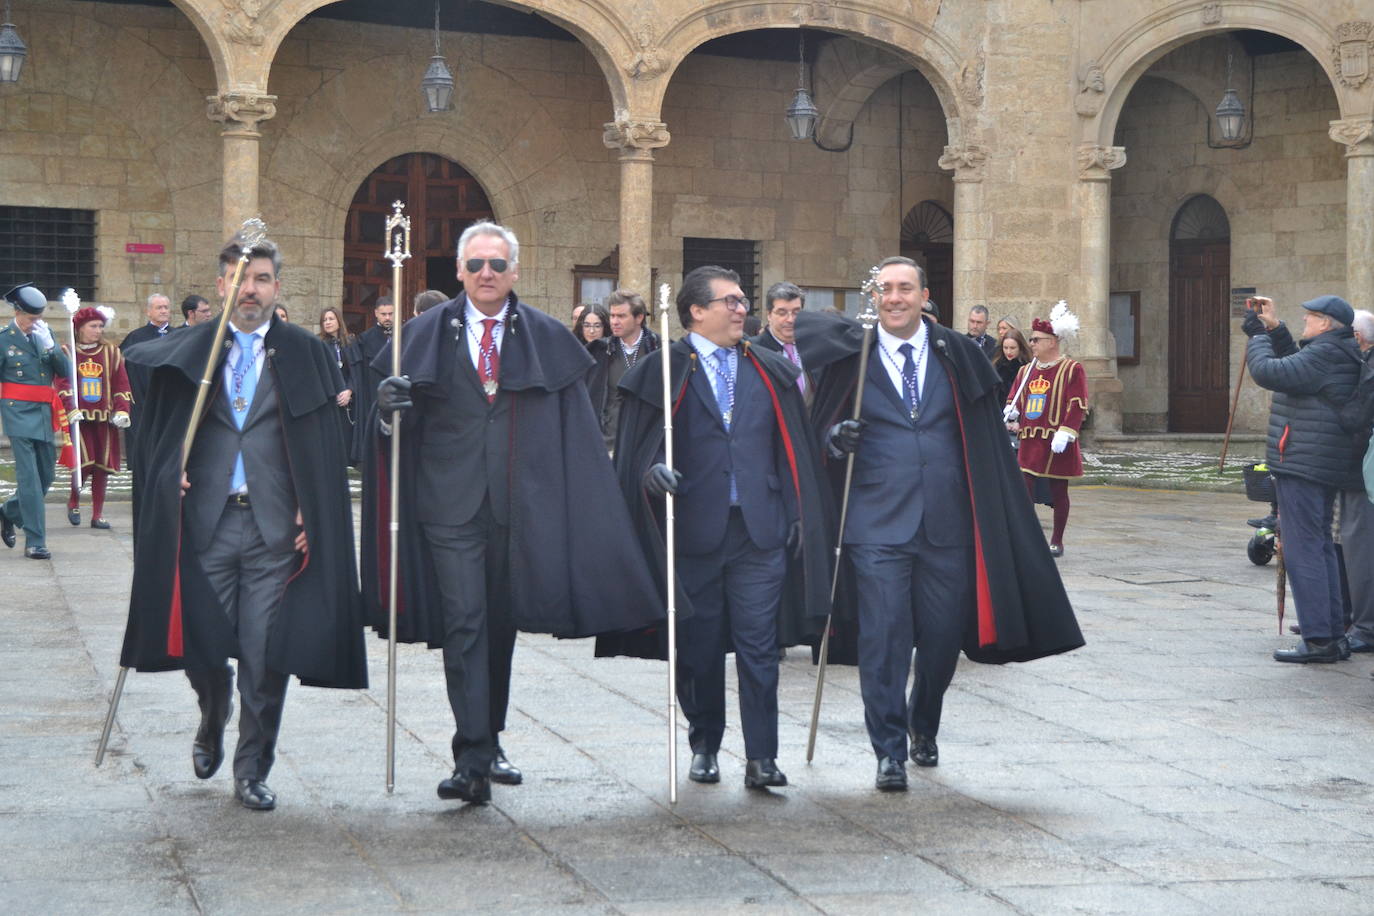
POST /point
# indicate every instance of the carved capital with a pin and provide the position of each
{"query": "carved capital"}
(1095, 163)
(240, 112)
(1356, 134)
(1350, 53)
(966, 162)
(635, 138)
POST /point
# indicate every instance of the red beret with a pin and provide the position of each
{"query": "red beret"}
(86, 315)
(1043, 326)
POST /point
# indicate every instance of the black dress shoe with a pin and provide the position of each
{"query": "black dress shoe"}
(503, 771)
(763, 774)
(254, 795)
(1343, 646)
(207, 750)
(1307, 652)
(37, 553)
(1295, 629)
(704, 769)
(74, 516)
(1358, 645)
(891, 775)
(924, 752)
(468, 787)
(1056, 550)
(1269, 521)
(6, 529)
(100, 523)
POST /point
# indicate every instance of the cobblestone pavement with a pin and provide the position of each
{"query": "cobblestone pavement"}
(1168, 767)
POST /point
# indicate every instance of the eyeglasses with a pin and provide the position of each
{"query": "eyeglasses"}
(475, 265)
(1036, 339)
(732, 302)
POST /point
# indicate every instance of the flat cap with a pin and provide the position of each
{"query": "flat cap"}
(1332, 306)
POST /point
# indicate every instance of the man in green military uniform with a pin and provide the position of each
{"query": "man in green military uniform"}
(29, 359)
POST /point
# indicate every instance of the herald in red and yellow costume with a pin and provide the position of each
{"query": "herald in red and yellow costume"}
(102, 400)
(1049, 399)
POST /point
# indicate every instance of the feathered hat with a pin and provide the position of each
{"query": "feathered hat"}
(1062, 323)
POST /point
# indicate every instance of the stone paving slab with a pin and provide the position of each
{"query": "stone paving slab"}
(1168, 767)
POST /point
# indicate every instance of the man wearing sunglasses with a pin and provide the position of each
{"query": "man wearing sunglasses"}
(501, 455)
(748, 511)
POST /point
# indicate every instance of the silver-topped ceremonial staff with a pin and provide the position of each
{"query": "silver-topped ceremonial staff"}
(669, 543)
(398, 250)
(249, 236)
(869, 319)
(72, 303)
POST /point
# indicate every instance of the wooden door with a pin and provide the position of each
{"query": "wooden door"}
(441, 200)
(1199, 335)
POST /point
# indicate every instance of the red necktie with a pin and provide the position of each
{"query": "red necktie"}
(488, 361)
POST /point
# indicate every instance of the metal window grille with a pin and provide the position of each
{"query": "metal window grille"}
(52, 248)
(740, 255)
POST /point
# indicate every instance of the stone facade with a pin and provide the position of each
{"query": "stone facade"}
(1061, 136)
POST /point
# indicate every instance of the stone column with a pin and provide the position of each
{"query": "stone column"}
(636, 138)
(1357, 135)
(1096, 347)
(971, 229)
(240, 113)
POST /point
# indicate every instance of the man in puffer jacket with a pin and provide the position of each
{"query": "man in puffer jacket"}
(1310, 455)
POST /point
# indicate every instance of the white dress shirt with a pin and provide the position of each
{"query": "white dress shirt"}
(887, 347)
(475, 329)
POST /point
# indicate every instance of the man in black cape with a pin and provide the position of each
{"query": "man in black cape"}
(361, 355)
(249, 558)
(508, 504)
(732, 567)
(1009, 603)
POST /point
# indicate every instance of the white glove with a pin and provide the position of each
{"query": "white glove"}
(1061, 441)
(42, 334)
(1010, 413)
(120, 420)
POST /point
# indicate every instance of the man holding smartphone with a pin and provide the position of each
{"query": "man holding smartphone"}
(1309, 453)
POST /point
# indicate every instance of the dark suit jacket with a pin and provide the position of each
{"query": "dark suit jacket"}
(707, 455)
(139, 335)
(887, 506)
(988, 344)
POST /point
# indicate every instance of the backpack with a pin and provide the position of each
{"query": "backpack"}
(1356, 413)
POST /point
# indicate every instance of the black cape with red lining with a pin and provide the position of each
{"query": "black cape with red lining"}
(566, 515)
(639, 444)
(318, 633)
(1018, 610)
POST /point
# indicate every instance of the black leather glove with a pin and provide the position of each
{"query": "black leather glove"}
(844, 437)
(794, 540)
(661, 479)
(393, 394)
(1252, 325)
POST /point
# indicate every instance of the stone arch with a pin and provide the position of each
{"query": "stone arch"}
(1138, 46)
(917, 45)
(595, 24)
(212, 35)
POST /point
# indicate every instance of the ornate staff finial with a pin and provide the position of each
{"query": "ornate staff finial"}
(252, 233)
(397, 235)
(71, 301)
(872, 294)
(664, 293)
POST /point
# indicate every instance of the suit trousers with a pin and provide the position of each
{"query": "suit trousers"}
(471, 566)
(1357, 543)
(250, 580)
(912, 593)
(34, 467)
(735, 589)
(1306, 512)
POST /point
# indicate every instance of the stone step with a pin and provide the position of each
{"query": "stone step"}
(1175, 443)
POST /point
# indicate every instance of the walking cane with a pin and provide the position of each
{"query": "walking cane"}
(1230, 421)
(398, 245)
(73, 305)
(669, 544)
(1281, 577)
(249, 237)
(869, 319)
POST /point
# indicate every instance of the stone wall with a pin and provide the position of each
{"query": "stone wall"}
(1284, 196)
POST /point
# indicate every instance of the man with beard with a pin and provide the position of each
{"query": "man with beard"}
(936, 508)
(500, 462)
(748, 512)
(248, 552)
(366, 377)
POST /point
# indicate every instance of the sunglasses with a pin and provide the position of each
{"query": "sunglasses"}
(475, 265)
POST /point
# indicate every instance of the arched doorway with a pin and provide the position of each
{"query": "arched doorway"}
(1199, 316)
(441, 199)
(928, 239)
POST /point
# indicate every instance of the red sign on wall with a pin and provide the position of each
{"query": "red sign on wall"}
(143, 248)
